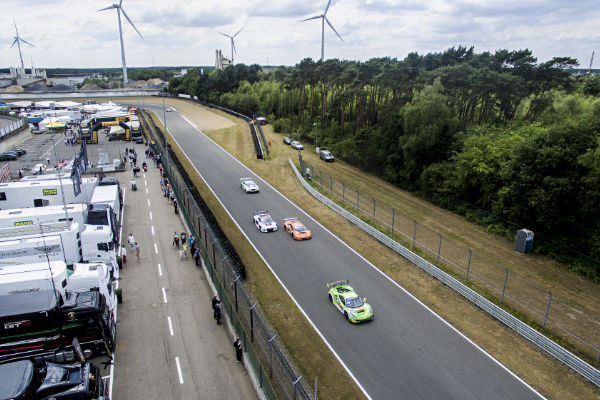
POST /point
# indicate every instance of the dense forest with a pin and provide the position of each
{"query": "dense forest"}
(498, 137)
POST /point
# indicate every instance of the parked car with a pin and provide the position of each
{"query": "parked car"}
(139, 139)
(326, 155)
(287, 140)
(297, 145)
(8, 156)
(19, 151)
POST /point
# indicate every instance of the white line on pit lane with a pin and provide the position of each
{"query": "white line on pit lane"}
(148, 199)
(164, 295)
(155, 248)
(147, 193)
(179, 370)
(152, 228)
(170, 325)
(159, 270)
(150, 213)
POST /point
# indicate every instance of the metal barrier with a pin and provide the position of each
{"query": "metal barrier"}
(259, 340)
(558, 352)
(10, 129)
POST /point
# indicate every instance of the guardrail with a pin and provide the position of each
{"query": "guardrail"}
(260, 342)
(571, 360)
(264, 139)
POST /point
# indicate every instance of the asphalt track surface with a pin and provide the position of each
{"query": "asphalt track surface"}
(407, 352)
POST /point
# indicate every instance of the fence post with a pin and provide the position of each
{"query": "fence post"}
(415, 234)
(343, 190)
(504, 288)
(547, 309)
(295, 382)
(439, 251)
(393, 217)
(374, 202)
(252, 322)
(357, 199)
(598, 360)
(321, 177)
(330, 184)
(271, 356)
(469, 264)
(235, 292)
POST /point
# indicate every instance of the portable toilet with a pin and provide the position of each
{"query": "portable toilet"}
(524, 240)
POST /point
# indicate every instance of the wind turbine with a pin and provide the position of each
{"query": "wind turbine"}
(18, 41)
(323, 20)
(232, 42)
(119, 11)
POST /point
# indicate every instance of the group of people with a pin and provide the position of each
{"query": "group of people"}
(186, 245)
(70, 141)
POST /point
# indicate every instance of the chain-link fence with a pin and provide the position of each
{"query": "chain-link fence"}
(542, 307)
(263, 350)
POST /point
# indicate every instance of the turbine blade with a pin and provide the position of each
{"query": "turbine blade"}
(233, 46)
(327, 8)
(331, 26)
(224, 34)
(15, 42)
(308, 19)
(138, 32)
(120, 2)
(239, 31)
(107, 8)
(25, 41)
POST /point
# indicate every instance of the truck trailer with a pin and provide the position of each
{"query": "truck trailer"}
(41, 215)
(44, 193)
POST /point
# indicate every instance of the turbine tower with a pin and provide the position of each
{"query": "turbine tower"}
(232, 42)
(18, 41)
(323, 20)
(119, 11)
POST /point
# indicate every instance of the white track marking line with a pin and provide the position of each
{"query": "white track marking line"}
(170, 326)
(159, 270)
(179, 370)
(164, 295)
(150, 214)
(148, 199)
(155, 248)
(152, 229)
(147, 192)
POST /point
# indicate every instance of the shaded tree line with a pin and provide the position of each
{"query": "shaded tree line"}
(496, 136)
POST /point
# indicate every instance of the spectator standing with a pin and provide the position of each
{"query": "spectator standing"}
(197, 257)
(131, 241)
(218, 313)
(215, 300)
(176, 240)
(238, 349)
(175, 205)
(137, 251)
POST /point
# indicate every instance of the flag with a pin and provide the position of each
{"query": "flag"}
(76, 177)
(83, 155)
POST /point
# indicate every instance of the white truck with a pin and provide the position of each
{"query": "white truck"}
(39, 243)
(109, 195)
(89, 276)
(42, 215)
(44, 193)
(97, 244)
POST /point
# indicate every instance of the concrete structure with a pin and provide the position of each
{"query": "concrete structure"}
(221, 62)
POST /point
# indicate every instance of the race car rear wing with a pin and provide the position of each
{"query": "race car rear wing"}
(289, 219)
(246, 179)
(261, 212)
(337, 283)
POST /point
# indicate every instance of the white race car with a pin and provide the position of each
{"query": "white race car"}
(264, 222)
(248, 185)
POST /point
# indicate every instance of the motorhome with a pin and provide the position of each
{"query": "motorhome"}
(44, 193)
(37, 243)
(41, 215)
(104, 214)
(91, 276)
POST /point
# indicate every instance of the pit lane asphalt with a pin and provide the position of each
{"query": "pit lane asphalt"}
(407, 351)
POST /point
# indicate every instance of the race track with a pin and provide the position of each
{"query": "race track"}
(407, 351)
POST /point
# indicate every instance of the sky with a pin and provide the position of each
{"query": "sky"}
(71, 33)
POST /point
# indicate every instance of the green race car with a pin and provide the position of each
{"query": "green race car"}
(343, 296)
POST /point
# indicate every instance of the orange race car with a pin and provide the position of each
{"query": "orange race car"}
(296, 230)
